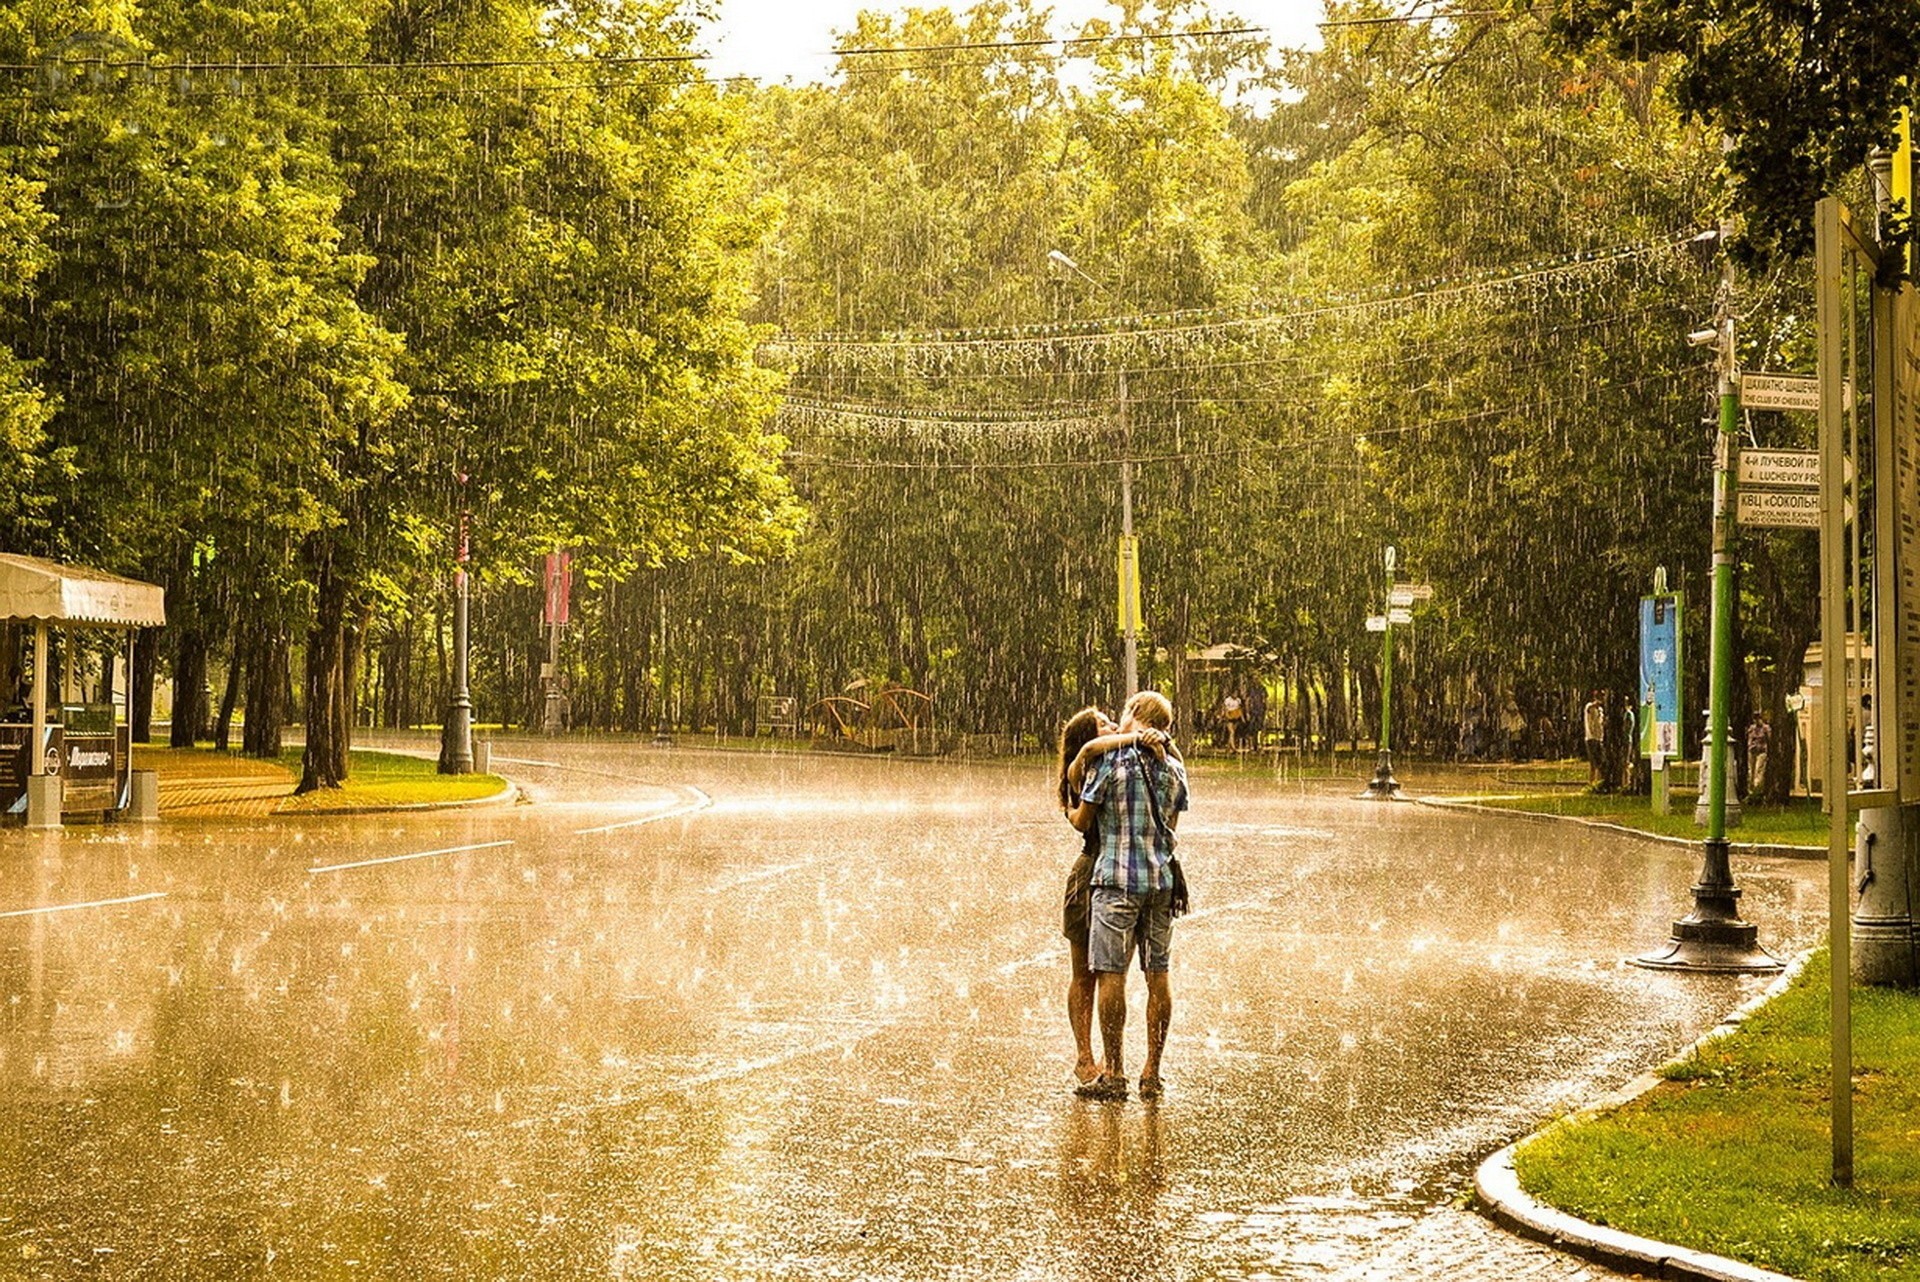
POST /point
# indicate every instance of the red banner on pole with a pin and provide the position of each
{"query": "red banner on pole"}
(559, 588)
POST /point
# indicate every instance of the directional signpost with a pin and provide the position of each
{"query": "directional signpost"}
(1400, 600)
(1713, 937)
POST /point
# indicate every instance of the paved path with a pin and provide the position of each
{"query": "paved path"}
(695, 1015)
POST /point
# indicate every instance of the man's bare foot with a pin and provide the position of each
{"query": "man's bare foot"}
(1085, 1071)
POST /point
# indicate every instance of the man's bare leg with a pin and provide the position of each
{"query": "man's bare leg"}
(1113, 1019)
(1159, 1016)
(1081, 985)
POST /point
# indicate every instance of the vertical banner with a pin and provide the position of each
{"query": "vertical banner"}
(1897, 656)
(1660, 675)
(1129, 583)
(559, 584)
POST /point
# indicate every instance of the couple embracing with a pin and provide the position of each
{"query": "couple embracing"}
(1123, 788)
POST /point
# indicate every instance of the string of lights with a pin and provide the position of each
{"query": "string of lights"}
(1179, 336)
(1521, 414)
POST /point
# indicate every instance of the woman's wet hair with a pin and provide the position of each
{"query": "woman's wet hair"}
(1082, 728)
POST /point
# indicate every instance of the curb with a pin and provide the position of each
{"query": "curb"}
(1499, 1197)
(1752, 849)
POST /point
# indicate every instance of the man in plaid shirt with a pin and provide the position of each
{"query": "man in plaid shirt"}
(1135, 799)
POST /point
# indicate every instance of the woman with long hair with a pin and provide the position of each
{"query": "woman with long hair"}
(1087, 734)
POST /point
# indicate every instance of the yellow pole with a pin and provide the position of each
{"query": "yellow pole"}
(1903, 164)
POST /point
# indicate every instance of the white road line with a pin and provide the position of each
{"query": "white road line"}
(529, 761)
(700, 802)
(758, 874)
(94, 903)
(396, 859)
(648, 1091)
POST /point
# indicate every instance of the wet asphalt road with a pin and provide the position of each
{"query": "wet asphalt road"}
(696, 1015)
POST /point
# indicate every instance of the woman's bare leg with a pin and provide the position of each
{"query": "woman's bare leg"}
(1080, 989)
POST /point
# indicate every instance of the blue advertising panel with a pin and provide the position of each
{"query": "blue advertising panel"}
(1660, 675)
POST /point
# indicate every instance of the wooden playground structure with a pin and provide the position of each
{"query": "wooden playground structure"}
(889, 718)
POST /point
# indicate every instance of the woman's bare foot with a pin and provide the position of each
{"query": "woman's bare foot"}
(1085, 1071)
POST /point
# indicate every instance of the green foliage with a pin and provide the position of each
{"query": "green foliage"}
(274, 278)
(1802, 92)
(1732, 1156)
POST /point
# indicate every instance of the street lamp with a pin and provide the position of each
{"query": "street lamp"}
(456, 751)
(1713, 937)
(1399, 609)
(1129, 554)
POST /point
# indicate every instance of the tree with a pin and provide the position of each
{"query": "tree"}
(1802, 92)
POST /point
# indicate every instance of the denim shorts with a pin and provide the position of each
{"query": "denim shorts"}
(1124, 924)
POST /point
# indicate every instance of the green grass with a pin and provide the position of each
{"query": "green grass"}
(1732, 1153)
(1798, 823)
(388, 779)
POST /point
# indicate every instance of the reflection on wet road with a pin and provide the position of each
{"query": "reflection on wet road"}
(696, 1015)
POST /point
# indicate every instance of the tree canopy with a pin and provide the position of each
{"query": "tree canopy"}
(834, 385)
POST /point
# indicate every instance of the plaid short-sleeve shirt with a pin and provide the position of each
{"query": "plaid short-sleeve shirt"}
(1133, 851)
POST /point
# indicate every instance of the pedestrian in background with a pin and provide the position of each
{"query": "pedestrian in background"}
(1593, 720)
(1625, 733)
(1759, 739)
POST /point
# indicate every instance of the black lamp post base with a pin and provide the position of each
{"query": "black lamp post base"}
(1711, 959)
(1712, 938)
(1720, 946)
(1383, 786)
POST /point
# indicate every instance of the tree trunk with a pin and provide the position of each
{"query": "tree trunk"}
(265, 700)
(189, 689)
(327, 738)
(223, 726)
(146, 664)
(353, 642)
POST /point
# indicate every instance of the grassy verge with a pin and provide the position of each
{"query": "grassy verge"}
(387, 779)
(1731, 1154)
(1798, 823)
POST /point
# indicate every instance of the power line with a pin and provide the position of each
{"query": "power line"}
(191, 67)
(1063, 41)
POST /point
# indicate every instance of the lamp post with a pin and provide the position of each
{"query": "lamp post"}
(1713, 937)
(1129, 554)
(457, 746)
(1383, 786)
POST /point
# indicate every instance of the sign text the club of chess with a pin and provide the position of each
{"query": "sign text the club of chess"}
(1779, 392)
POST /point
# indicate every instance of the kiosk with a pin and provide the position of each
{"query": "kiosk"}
(74, 758)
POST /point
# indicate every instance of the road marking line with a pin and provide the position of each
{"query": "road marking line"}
(701, 802)
(395, 859)
(529, 761)
(95, 903)
(758, 874)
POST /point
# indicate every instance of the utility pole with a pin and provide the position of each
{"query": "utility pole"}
(1713, 937)
(1129, 556)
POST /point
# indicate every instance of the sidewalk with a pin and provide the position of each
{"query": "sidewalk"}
(206, 785)
(198, 783)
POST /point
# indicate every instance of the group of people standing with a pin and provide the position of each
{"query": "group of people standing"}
(1123, 787)
(1611, 728)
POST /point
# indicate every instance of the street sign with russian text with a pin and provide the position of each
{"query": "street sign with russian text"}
(1377, 623)
(1782, 509)
(1779, 392)
(1799, 468)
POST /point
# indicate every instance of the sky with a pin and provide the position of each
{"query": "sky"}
(791, 39)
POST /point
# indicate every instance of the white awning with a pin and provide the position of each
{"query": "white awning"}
(32, 588)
